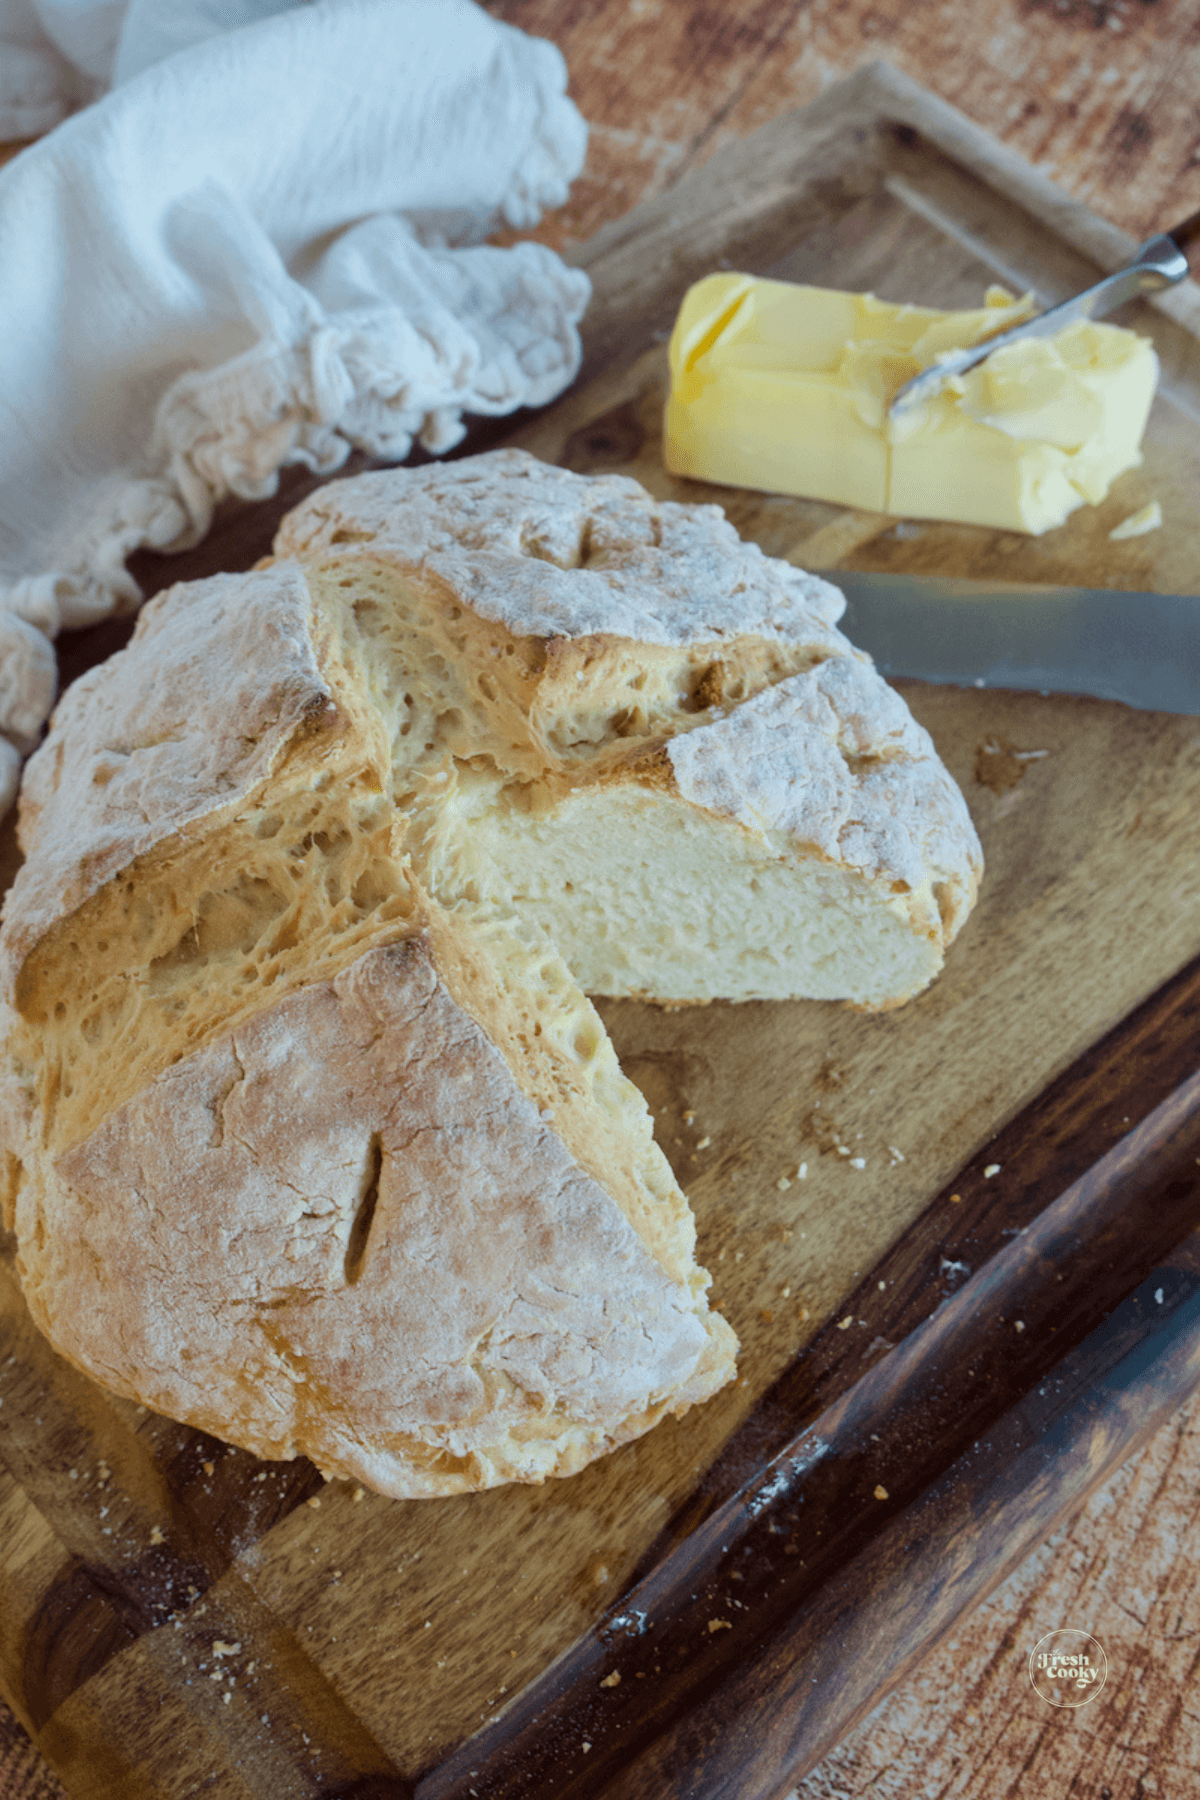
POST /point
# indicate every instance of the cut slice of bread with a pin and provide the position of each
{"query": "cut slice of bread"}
(312, 1138)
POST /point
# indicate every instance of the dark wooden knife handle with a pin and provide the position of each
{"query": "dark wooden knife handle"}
(1187, 236)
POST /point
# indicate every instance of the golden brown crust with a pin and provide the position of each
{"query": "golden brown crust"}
(280, 1066)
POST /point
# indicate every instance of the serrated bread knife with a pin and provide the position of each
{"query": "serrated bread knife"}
(1142, 649)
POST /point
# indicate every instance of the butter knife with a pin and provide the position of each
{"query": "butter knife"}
(1159, 263)
(1142, 649)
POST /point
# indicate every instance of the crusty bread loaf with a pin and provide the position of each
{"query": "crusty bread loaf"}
(312, 1138)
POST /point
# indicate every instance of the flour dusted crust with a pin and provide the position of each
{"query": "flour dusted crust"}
(219, 679)
(501, 1321)
(548, 554)
(873, 796)
(312, 1138)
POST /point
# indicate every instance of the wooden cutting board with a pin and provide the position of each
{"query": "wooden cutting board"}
(956, 1240)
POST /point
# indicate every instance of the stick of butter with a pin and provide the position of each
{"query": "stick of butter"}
(786, 389)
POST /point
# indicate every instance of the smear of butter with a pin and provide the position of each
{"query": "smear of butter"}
(786, 388)
(1147, 518)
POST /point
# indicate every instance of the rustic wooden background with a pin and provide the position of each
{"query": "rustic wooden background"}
(1102, 95)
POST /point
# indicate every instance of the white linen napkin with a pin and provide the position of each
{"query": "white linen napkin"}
(258, 246)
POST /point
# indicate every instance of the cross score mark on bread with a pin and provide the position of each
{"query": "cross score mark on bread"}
(313, 1139)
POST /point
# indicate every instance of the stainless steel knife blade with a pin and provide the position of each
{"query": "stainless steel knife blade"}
(1142, 649)
(1158, 263)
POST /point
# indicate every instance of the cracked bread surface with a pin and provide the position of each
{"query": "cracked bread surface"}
(494, 1316)
(456, 746)
(137, 752)
(550, 554)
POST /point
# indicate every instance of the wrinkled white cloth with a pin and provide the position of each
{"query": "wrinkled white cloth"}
(250, 238)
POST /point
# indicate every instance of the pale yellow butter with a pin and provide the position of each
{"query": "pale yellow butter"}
(786, 388)
(1147, 518)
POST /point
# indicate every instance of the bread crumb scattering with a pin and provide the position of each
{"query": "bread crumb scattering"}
(256, 908)
(613, 1680)
(720, 1625)
(881, 1492)
(992, 1169)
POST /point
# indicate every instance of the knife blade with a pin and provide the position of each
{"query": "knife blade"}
(1160, 262)
(1142, 649)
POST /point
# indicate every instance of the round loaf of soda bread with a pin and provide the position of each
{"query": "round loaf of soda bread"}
(313, 1139)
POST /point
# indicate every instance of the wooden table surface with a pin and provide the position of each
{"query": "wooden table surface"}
(1102, 95)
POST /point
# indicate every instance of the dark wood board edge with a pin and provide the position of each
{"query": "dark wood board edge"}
(1065, 1309)
(778, 1714)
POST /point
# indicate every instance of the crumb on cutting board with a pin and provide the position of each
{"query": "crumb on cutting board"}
(1147, 518)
